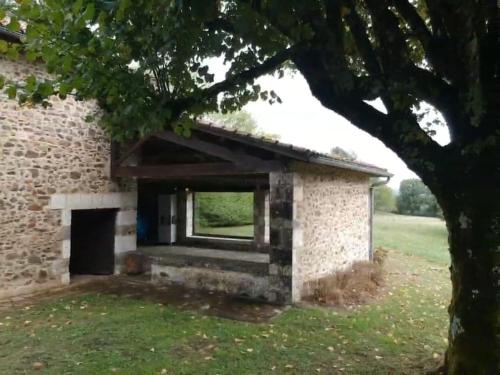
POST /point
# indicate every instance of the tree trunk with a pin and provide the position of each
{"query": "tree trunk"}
(473, 220)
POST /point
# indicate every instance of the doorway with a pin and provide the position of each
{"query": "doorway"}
(92, 242)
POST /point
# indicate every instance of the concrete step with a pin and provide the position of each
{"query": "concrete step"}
(252, 263)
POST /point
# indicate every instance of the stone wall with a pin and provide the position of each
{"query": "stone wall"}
(44, 152)
(331, 223)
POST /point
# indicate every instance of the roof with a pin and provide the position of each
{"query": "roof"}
(291, 151)
(10, 36)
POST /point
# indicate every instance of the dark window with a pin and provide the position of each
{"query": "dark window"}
(223, 214)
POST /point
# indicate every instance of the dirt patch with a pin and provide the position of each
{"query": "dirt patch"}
(357, 285)
(139, 287)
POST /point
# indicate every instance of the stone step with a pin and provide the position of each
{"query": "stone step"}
(180, 256)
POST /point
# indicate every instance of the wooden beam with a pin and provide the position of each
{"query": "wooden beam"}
(209, 148)
(195, 169)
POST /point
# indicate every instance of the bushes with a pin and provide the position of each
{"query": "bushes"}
(356, 285)
(223, 209)
(384, 199)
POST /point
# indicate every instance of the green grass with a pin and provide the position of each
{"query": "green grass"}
(422, 236)
(398, 333)
(237, 231)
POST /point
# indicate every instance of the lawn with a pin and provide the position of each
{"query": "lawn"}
(400, 332)
(237, 231)
(423, 236)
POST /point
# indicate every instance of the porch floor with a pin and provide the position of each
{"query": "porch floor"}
(165, 250)
(183, 256)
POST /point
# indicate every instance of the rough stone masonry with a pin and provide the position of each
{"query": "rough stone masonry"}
(49, 158)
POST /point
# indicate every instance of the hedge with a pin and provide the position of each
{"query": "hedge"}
(223, 209)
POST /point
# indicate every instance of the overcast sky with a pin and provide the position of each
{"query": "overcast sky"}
(303, 121)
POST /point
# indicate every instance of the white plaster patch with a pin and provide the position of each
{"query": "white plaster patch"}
(66, 217)
(65, 278)
(298, 235)
(93, 201)
(128, 217)
(66, 249)
(125, 243)
(57, 201)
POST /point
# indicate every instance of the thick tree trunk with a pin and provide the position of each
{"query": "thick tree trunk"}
(473, 220)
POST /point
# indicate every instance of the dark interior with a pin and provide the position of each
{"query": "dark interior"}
(92, 242)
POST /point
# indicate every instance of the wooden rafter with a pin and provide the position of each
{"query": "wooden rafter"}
(195, 143)
(195, 169)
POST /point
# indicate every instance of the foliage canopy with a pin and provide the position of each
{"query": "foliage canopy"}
(384, 199)
(146, 63)
(416, 199)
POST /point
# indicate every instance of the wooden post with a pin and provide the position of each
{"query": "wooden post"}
(259, 219)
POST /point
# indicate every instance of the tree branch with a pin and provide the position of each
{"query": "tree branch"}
(394, 52)
(180, 105)
(363, 44)
(398, 131)
(417, 24)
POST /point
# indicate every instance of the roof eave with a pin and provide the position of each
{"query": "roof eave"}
(10, 36)
(373, 171)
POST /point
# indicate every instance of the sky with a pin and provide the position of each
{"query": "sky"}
(301, 120)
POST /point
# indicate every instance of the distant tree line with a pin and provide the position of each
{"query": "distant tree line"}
(413, 198)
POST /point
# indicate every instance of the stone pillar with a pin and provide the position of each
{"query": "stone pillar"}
(281, 237)
(259, 218)
(266, 217)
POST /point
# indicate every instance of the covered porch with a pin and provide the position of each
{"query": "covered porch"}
(173, 173)
(310, 213)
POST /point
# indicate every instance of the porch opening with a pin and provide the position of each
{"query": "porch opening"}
(223, 214)
(92, 242)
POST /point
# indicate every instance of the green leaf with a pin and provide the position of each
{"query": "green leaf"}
(13, 24)
(31, 55)
(89, 13)
(77, 6)
(31, 83)
(64, 88)
(4, 46)
(67, 63)
(13, 52)
(45, 89)
(2, 81)
(124, 5)
(11, 91)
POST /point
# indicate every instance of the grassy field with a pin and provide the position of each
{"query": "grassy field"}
(238, 231)
(402, 332)
(422, 236)
(412, 235)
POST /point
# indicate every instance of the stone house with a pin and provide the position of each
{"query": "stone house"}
(70, 203)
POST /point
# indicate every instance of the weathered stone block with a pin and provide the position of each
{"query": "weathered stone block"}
(125, 243)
